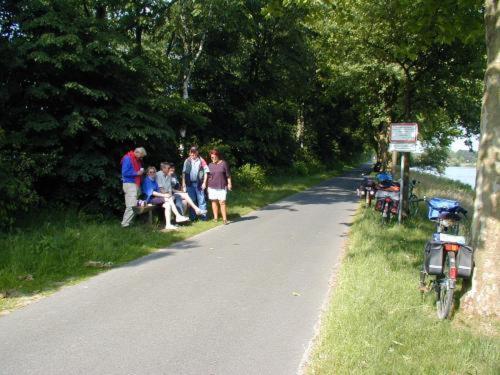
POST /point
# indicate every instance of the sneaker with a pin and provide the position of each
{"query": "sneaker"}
(181, 219)
(203, 212)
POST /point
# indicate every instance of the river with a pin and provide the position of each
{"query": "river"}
(467, 175)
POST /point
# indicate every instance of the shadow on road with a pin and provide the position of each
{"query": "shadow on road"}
(238, 217)
(339, 189)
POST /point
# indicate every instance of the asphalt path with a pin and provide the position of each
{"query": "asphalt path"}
(238, 299)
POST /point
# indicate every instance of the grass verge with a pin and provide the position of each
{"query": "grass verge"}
(55, 248)
(377, 321)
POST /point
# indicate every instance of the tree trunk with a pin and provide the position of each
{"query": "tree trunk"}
(300, 128)
(408, 90)
(394, 163)
(185, 87)
(382, 150)
(483, 298)
(382, 139)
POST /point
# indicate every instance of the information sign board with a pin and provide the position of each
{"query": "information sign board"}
(403, 147)
(404, 132)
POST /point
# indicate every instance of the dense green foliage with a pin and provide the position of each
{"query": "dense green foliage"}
(399, 61)
(279, 84)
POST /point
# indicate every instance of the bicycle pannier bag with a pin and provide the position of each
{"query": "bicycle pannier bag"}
(465, 262)
(433, 258)
(437, 205)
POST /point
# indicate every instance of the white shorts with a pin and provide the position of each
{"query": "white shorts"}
(217, 194)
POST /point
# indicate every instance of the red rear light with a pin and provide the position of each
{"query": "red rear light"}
(451, 247)
(387, 200)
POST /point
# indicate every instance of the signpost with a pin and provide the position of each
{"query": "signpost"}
(404, 139)
(405, 132)
(403, 147)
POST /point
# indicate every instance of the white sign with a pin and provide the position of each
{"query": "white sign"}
(404, 132)
(403, 147)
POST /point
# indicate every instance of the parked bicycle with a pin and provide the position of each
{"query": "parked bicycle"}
(367, 190)
(446, 256)
(387, 197)
(413, 200)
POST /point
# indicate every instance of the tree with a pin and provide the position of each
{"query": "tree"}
(410, 61)
(77, 95)
(483, 299)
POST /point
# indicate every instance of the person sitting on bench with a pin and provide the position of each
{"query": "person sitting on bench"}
(154, 196)
(168, 184)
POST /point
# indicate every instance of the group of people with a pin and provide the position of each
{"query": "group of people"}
(163, 188)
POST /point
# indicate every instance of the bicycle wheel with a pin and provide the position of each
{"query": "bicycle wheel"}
(445, 291)
(386, 214)
(413, 205)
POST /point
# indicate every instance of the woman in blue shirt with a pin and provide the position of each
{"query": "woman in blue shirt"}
(153, 196)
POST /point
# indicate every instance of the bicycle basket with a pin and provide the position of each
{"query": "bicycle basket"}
(438, 205)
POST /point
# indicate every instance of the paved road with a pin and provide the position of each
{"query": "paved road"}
(238, 299)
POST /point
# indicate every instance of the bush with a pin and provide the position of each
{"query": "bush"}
(17, 172)
(249, 176)
(224, 149)
(306, 163)
(300, 168)
(305, 168)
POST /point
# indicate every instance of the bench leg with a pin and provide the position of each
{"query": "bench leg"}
(150, 217)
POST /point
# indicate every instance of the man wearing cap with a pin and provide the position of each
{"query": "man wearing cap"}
(132, 172)
(194, 181)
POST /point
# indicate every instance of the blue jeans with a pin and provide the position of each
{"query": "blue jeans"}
(178, 204)
(198, 197)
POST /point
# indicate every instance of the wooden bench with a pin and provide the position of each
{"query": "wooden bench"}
(141, 210)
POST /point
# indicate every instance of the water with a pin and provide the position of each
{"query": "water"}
(467, 175)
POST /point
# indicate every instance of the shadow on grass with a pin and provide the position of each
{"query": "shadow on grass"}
(38, 261)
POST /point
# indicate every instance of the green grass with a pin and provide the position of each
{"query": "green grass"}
(377, 321)
(51, 250)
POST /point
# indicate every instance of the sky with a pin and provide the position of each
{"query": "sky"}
(459, 144)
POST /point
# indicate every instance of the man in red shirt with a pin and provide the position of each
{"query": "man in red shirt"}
(132, 172)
